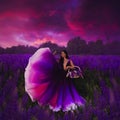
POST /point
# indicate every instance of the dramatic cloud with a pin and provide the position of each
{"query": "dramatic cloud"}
(95, 19)
(32, 22)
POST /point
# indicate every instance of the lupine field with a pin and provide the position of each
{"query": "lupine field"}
(100, 87)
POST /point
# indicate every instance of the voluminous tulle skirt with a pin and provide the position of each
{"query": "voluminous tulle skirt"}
(46, 83)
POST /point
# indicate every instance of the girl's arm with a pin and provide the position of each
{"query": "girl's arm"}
(72, 64)
(69, 67)
(65, 67)
(54, 53)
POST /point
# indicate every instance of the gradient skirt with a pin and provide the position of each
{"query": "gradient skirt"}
(46, 83)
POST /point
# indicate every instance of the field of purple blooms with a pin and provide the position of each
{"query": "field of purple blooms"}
(100, 87)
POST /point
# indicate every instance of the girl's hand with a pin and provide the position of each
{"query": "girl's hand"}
(69, 67)
(66, 68)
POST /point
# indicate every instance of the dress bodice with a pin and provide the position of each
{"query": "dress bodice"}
(68, 63)
(61, 69)
(65, 71)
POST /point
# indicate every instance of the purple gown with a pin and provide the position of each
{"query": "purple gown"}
(45, 82)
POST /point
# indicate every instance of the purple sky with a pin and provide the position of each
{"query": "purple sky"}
(32, 22)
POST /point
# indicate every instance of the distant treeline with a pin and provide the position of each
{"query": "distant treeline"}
(74, 46)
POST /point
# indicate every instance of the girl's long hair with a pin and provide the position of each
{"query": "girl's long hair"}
(61, 60)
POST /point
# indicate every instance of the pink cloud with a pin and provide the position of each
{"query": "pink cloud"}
(34, 21)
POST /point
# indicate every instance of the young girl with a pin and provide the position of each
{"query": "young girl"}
(46, 81)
